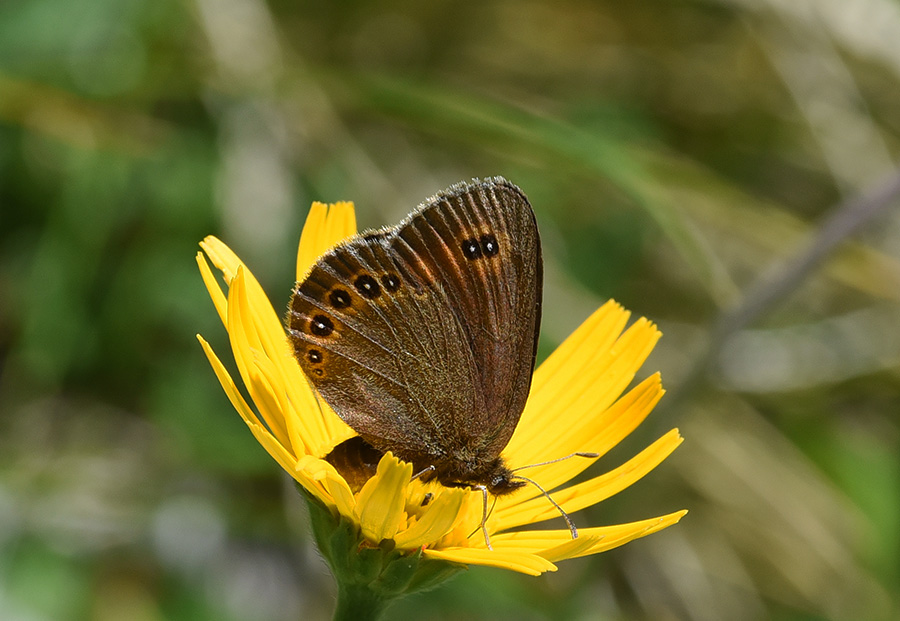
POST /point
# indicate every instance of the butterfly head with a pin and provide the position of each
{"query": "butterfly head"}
(500, 480)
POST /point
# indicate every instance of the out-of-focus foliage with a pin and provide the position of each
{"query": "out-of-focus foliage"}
(673, 151)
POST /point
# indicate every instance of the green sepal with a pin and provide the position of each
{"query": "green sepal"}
(365, 564)
(398, 572)
(369, 577)
(431, 573)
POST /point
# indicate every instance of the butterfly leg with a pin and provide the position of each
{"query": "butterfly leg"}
(425, 474)
(484, 514)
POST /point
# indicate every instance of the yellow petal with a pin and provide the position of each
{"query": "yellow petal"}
(297, 426)
(262, 435)
(592, 491)
(325, 227)
(600, 434)
(436, 521)
(557, 545)
(309, 249)
(522, 562)
(289, 463)
(228, 385)
(533, 540)
(615, 536)
(596, 334)
(321, 428)
(559, 415)
(553, 545)
(382, 499)
(243, 340)
(263, 327)
(340, 494)
(268, 325)
(340, 224)
(571, 548)
(221, 256)
(215, 291)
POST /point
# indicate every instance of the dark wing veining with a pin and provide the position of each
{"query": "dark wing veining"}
(479, 246)
(422, 337)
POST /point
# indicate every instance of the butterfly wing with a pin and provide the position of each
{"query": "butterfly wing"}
(422, 337)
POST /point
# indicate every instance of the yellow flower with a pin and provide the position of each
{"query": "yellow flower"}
(574, 405)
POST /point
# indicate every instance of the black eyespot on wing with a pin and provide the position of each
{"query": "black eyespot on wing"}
(318, 372)
(470, 248)
(367, 286)
(340, 298)
(391, 282)
(320, 325)
(489, 245)
(314, 356)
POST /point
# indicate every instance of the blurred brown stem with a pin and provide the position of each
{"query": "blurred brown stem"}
(779, 281)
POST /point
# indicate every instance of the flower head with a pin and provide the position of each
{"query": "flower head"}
(575, 405)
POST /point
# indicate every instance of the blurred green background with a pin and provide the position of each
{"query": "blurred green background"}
(674, 151)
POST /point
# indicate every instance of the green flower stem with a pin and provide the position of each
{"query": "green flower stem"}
(358, 602)
(369, 577)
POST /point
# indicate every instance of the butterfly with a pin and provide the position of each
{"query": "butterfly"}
(422, 337)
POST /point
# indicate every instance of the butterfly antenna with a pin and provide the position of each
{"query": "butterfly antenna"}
(547, 495)
(553, 461)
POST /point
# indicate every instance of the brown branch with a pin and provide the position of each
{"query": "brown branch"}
(778, 282)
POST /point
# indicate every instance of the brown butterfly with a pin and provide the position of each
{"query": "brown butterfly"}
(422, 336)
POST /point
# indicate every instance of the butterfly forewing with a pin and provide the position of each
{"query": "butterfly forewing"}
(422, 337)
(357, 341)
(482, 247)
